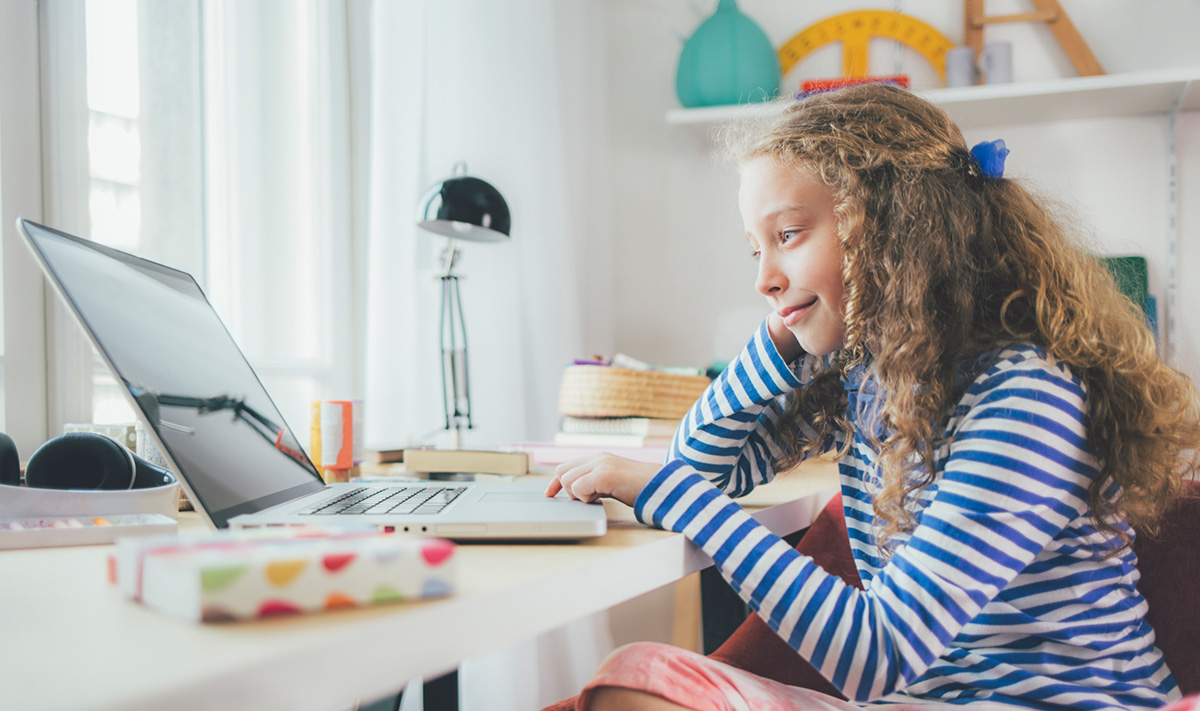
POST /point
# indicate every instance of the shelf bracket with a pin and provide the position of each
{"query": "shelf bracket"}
(1170, 322)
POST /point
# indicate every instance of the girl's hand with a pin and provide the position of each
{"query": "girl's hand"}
(785, 341)
(591, 478)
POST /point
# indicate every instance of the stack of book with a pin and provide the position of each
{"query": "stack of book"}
(645, 439)
(615, 432)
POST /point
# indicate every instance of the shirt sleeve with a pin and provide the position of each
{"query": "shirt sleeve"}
(728, 436)
(1016, 475)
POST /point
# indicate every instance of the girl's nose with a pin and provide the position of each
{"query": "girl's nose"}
(770, 278)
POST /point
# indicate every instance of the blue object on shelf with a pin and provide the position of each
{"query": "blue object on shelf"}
(727, 60)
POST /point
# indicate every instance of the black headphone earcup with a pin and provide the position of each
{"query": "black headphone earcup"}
(80, 460)
(147, 475)
(10, 462)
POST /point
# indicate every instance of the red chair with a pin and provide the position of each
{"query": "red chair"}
(1169, 566)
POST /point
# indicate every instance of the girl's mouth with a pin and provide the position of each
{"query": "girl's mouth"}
(792, 315)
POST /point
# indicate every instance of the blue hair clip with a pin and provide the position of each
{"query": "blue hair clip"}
(990, 156)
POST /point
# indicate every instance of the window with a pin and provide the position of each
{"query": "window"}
(217, 143)
(113, 158)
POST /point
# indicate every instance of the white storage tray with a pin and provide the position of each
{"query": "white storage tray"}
(41, 532)
(29, 502)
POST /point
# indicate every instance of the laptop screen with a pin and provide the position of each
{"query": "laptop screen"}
(191, 383)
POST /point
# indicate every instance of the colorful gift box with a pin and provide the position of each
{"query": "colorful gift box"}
(256, 573)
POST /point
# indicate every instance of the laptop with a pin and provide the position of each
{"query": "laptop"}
(219, 431)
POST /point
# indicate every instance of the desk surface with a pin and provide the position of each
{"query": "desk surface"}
(69, 640)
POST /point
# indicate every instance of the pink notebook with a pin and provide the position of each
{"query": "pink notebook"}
(551, 454)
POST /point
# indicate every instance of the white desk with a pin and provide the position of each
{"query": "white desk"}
(70, 641)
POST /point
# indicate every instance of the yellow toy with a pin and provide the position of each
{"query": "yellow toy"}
(855, 30)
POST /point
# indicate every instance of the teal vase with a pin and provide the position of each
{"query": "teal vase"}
(727, 60)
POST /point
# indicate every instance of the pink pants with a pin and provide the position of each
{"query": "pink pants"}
(696, 682)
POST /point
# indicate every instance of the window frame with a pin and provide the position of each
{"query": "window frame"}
(25, 291)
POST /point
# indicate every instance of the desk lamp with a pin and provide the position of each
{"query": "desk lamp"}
(460, 207)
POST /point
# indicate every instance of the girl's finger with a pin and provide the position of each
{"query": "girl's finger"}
(567, 477)
(583, 487)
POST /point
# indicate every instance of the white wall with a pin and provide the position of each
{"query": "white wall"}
(683, 278)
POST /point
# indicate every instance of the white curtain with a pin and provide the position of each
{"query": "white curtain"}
(494, 85)
(278, 193)
(503, 87)
(65, 199)
(231, 157)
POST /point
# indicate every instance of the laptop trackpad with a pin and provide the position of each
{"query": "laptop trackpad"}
(515, 497)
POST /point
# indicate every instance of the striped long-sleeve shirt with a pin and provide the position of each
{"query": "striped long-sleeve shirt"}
(1004, 591)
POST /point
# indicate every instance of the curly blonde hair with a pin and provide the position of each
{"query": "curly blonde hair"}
(941, 262)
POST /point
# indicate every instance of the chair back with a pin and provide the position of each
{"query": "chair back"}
(1170, 570)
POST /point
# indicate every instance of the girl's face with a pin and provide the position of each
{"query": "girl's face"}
(792, 231)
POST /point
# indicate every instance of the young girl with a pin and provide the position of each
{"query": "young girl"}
(1002, 419)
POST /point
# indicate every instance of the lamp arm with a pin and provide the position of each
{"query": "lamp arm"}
(456, 392)
(466, 372)
(450, 258)
(446, 339)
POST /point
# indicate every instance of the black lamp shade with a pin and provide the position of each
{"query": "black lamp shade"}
(465, 208)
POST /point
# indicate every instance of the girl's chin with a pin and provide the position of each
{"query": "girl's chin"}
(815, 344)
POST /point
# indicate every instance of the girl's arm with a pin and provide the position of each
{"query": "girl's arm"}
(1017, 474)
(729, 434)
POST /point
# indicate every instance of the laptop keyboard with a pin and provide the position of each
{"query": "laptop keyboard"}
(390, 500)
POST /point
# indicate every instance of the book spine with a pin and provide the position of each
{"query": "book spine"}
(466, 461)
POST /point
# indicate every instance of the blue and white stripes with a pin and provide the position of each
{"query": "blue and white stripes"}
(1003, 592)
(727, 436)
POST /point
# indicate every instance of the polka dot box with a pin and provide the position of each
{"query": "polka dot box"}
(259, 573)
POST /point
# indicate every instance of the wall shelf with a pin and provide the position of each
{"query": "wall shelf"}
(1111, 95)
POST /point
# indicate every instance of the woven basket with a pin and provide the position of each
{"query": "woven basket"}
(603, 391)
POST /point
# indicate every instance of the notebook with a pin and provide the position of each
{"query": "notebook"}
(220, 432)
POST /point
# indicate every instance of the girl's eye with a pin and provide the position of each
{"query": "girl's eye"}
(754, 253)
(788, 235)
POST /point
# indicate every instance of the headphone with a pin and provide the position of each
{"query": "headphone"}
(80, 460)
